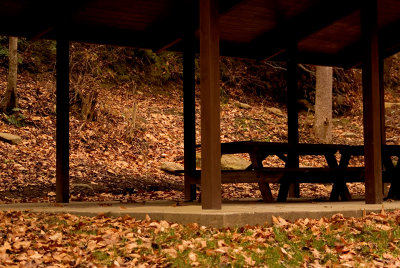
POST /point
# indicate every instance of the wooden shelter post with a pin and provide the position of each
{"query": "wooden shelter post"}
(293, 114)
(189, 106)
(382, 97)
(210, 106)
(371, 103)
(382, 109)
(62, 124)
(293, 122)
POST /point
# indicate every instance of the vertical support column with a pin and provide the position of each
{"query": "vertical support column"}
(382, 109)
(293, 124)
(189, 106)
(210, 106)
(382, 97)
(386, 159)
(62, 125)
(293, 113)
(371, 103)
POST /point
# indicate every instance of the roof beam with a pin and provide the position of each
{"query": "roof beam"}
(176, 21)
(173, 22)
(389, 43)
(106, 36)
(293, 30)
(60, 13)
(390, 39)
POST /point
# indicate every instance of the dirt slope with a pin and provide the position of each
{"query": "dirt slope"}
(118, 155)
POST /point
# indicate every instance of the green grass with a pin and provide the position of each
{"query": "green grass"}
(327, 242)
(55, 221)
(84, 232)
(102, 257)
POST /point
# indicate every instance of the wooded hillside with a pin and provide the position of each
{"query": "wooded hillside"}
(126, 108)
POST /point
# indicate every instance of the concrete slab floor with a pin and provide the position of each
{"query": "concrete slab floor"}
(233, 213)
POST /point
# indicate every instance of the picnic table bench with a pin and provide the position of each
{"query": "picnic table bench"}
(337, 171)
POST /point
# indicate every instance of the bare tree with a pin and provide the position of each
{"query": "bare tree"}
(323, 104)
(9, 101)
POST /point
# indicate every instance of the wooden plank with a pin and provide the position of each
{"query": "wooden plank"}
(392, 150)
(189, 106)
(371, 103)
(210, 106)
(62, 123)
(284, 175)
(237, 176)
(245, 177)
(299, 27)
(276, 148)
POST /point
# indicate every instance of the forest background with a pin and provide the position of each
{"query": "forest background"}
(126, 119)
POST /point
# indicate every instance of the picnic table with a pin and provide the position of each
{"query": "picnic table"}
(336, 171)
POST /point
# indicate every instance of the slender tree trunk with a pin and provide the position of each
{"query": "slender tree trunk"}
(9, 101)
(323, 105)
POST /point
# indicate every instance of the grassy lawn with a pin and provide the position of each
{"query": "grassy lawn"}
(64, 240)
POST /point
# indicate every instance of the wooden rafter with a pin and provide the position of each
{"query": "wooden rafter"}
(58, 13)
(162, 29)
(389, 39)
(293, 30)
(103, 35)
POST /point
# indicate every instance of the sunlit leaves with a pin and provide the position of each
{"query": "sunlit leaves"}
(69, 240)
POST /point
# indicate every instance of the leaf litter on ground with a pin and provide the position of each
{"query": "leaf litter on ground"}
(108, 162)
(65, 240)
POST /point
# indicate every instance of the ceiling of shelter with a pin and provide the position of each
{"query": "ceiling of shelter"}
(327, 32)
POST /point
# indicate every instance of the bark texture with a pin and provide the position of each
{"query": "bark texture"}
(9, 101)
(323, 105)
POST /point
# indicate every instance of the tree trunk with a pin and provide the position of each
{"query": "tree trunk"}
(9, 101)
(323, 105)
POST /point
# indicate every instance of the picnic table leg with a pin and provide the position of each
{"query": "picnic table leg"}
(394, 191)
(284, 187)
(339, 189)
(287, 188)
(283, 191)
(294, 190)
(265, 190)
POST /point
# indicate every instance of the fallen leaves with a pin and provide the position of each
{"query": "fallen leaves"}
(70, 240)
(112, 167)
(120, 169)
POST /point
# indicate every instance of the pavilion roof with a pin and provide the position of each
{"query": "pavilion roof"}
(327, 32)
